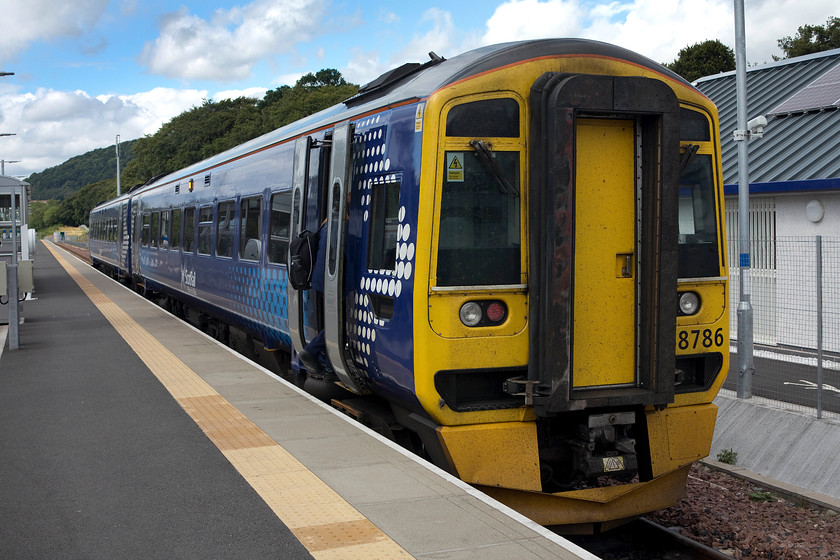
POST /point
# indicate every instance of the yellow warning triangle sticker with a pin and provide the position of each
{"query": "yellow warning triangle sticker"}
(455, 164)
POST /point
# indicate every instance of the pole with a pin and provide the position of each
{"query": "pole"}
(118, 165)
(14, 304)
(3, 163)
(746, 368)
(819, 328)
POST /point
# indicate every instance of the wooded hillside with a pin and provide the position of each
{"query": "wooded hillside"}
(73, 188)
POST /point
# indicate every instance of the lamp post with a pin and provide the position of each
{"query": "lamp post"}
(746, 367)
(3, 163)
(118, 165)
(12, 282)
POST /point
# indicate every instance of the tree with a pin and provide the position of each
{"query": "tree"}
(325, 77)
(195, 134)
(811, 39)
(703, 59)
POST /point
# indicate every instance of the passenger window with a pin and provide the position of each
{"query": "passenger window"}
(384, 220)
(224, 233)
(280, 219)
(154, 229)
(144, 240)
(205, 230)
(189, 230)
(250, 244)
(175, 237)
(164, 229)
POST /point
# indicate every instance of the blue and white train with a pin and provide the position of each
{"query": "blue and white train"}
(525, 275)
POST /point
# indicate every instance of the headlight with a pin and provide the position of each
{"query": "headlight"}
(470, 314)
(689, 303)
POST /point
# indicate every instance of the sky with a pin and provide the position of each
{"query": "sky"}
(86, 71)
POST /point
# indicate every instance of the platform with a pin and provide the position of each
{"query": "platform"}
(127, 434)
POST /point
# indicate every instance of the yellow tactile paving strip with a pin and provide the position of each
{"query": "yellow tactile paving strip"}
(323, 521)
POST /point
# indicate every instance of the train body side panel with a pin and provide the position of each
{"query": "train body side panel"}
(381, 251)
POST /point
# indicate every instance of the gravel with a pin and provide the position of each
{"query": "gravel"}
(746, 521)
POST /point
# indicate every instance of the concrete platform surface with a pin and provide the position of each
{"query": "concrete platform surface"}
(126, 434)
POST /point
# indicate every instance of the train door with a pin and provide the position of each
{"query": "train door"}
(123, 232)
(602, 241)
(334, 306)
(332, 181)
(604, 287)
(300, 184)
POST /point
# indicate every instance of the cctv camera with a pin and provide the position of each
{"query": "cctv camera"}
(757, 124)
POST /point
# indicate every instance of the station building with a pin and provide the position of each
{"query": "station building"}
(794, 174)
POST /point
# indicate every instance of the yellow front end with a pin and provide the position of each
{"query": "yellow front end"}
(496, 439)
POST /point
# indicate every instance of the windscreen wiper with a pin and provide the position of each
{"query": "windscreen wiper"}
(485, 156)
(687, 156)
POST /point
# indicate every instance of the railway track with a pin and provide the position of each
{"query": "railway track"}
(645, 540)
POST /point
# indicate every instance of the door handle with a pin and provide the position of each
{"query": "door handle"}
(624, 265)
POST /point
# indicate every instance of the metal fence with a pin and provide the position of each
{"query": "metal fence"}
(795, 294)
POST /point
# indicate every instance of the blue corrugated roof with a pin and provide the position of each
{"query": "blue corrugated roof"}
(800, 148)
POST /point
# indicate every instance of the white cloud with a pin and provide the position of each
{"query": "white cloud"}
(388, 17)
(363, 67)
(27, 21)
(52, 126)
(437, 32)
(255, 92)
(228, 47)
(657, 29)
(767, 21)
(531, 19)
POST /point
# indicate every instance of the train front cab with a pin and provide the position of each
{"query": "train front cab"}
(563, 378)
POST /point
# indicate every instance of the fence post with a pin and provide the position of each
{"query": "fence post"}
(819, 328)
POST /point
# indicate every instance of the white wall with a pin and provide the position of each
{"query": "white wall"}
(783, 290)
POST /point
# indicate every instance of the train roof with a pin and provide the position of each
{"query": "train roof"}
(418, 81)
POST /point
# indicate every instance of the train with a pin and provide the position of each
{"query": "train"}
(525, 275)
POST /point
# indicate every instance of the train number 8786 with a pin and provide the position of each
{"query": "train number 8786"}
(700, 338)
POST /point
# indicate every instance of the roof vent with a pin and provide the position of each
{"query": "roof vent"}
(384, 83)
